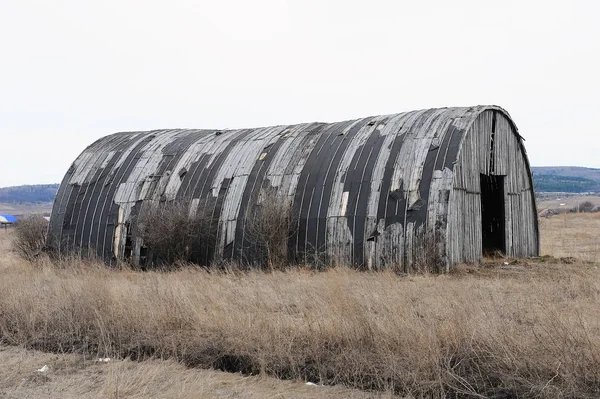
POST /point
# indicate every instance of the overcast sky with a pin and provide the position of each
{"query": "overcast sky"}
(74, 71)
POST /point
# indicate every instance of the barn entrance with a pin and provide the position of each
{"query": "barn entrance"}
(492, 214)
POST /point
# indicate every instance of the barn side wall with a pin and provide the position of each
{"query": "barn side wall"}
(366, 192)
(492, 146)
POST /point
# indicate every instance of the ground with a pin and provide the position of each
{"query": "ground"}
(72, 376)
(564, 202)
(504, 328)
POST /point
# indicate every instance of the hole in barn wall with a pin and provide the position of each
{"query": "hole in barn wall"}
(143, 256)
(492, 214)
(128, 242)
(182, 173)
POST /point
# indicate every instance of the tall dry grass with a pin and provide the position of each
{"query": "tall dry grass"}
(520, 330)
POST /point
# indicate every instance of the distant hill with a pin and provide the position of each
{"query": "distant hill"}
(570, 171)
(564, 184)
(31, 194)
(568, 179)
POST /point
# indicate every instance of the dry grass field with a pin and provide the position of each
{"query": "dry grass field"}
(44, 208)
(572, 235)
(568, 201)
(505, 328)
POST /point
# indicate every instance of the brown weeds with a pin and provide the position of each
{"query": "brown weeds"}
(529, 329)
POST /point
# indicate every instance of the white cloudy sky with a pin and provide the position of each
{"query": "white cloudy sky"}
(73, 71)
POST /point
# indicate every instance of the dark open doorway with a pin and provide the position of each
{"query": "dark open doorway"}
(492, 214)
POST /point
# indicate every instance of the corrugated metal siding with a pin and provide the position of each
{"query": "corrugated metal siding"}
(361, 190)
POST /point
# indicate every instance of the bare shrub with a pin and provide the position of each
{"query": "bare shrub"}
(268, 228)
(174, 231)
(317, 258)
(30, 237)
(583, 207)
(428, 253)
(586, 206)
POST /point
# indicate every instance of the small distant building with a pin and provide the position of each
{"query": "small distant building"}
(5, 220)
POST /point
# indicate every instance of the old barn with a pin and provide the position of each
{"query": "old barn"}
(372, 192)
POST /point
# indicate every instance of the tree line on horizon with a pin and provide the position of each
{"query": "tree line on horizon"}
(36, 193)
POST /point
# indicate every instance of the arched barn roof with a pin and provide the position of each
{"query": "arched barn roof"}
(361, 191)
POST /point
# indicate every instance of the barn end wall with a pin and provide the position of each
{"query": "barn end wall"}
(364, 192)
(492, 146)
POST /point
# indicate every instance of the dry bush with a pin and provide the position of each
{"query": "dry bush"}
(427, 253)
(30, 237)
(586, 206)
(317, 258)
(174, 232)
(583, 207)
(268, 228)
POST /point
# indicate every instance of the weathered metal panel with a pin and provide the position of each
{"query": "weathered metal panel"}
(363, 192)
